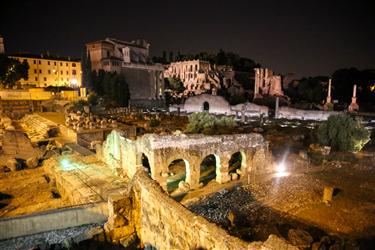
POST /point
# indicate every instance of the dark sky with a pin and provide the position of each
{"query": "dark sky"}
(304, 37)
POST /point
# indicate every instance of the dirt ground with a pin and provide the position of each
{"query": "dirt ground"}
(274, 205)
(27, 191)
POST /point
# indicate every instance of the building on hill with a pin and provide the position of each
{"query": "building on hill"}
(145, 79)
(200, 76)
(45, 70)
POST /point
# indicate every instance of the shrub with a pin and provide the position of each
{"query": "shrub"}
(154, 122)
(343, 133)
(209, 124)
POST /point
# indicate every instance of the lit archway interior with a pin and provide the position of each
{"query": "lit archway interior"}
(208, 168)
(177, 171)
(235, 162)
(145, 163)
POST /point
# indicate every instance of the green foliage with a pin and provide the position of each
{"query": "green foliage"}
(11, 71)
(343, 133)
(313, 89)
(174, 84)
(154, 122)
(112, 87)
(237, 99)
(78, 106)
(93, 99)
(86, 70)
(209, 124)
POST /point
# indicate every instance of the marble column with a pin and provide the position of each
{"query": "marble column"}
(354, 106)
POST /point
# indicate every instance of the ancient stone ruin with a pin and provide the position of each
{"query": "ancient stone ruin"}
(125, 156)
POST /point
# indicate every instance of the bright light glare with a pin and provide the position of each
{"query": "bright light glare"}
(281, 170)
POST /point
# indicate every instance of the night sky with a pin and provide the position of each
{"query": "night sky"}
(307, 38)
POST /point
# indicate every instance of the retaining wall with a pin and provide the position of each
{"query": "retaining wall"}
(53, 220)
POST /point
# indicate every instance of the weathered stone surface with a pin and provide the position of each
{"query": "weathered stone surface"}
(126, 155)
(12, 164)
(32, 162)
(299, 238)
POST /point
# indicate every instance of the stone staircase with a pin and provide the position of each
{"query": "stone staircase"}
(38, 127)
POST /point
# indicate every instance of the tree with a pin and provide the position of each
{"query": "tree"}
(313, 89)
(11, 71)
(86, 70)
(112, 87)
(206, 123)
(343, 133)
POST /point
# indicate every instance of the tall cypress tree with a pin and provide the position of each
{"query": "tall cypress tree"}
(86, 70)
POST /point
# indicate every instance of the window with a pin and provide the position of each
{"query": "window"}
(49, 71)
(34, 61)
(35, 71)
(40, 71)
(74, 72)
(45, 79)
(73, 64)
(48, 63)
(39, 62)
(61, 72)
(61, 64)
(36, 78)
(67, 79)
(54, 63)
(67, 72)
(66, 64)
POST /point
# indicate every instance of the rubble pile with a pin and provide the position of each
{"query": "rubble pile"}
(79, 121)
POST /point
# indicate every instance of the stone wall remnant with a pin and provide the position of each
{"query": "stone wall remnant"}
(125, 156)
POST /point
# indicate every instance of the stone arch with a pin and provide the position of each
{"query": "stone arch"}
(236, 162)
(206, 106)
(208, 169)
(178, 170)
(144, 160)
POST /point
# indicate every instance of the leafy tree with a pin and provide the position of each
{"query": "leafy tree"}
(12, 70)
(112, 87)
(343, 133)
(92, 99)
(206, 123)
(313, 89)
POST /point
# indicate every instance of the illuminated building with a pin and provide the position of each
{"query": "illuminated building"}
(144, 78)
(51, 71)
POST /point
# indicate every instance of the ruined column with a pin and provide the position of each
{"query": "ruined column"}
(354, 106)
(328, 100)
(277, 108)
(257, 82)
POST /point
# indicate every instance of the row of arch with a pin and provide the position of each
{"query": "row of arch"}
(209, 170)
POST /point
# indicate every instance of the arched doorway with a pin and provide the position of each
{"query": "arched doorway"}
(177, 171)
(208, 168)
(206, 106)
(235, 162)
(145, 163)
